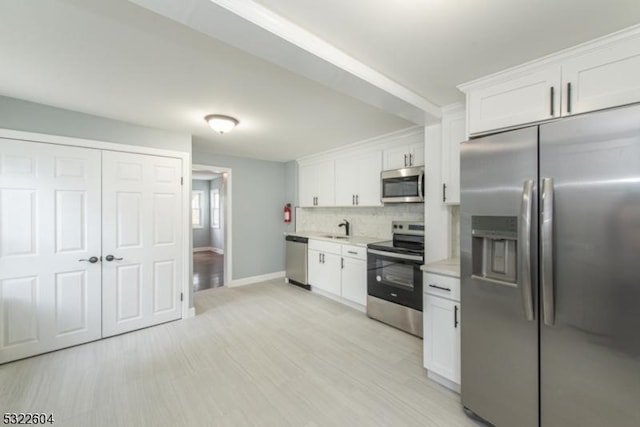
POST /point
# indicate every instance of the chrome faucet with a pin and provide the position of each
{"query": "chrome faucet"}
(345, 224)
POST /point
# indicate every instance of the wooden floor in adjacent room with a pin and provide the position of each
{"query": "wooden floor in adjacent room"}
(267, 354)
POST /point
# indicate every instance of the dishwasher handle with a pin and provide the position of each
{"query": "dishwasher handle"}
(298, 239)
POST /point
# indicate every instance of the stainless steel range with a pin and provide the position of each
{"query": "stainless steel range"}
(394, 278)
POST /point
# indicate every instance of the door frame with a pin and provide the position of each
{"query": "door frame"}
(185, 158)
(228, 220)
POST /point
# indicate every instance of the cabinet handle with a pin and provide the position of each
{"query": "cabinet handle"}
(405, 160)
(342, 263)
(323, 258)
(455, 316)
(410, 159)
(353, 199)
(444, 192)
(319, 258)
(569, 97)
(440, 287)
(553, 95)
(357, 199)
(352, 252)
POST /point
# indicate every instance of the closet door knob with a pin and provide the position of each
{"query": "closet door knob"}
(112, 258)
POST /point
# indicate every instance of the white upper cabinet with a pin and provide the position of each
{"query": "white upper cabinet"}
(453, 134)
(600, 74)
(316, 183)
(404, 156)
(526, 99)
(604, 78)
(358, 179)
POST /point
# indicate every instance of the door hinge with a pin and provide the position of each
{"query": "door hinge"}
(181, 296)
(181, 180)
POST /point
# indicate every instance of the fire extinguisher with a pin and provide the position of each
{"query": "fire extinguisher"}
(287, 212)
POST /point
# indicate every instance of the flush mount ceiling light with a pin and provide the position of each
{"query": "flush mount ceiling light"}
(220, 123)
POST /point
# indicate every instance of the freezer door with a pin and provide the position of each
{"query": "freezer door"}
(590, 335)
(498, 216)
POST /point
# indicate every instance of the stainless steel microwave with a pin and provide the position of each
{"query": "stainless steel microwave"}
(402, 185)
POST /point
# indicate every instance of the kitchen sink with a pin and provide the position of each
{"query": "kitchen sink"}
(333, 236)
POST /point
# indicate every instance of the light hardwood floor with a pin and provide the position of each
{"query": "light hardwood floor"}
(267, 354)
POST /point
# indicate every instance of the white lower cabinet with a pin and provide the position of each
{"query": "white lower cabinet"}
(442, 338)
(340, 270)
(324, 271)
(354, 274)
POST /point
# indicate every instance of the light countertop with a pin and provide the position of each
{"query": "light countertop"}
(445, 267)
(351, 240)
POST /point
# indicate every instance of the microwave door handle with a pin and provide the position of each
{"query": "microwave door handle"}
(420, 189)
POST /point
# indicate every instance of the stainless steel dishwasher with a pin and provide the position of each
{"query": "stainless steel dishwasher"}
(296, 248)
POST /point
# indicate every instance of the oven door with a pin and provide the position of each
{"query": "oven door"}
(395, 277)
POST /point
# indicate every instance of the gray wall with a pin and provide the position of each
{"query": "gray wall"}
(31, 117)
(291, 190)
(258, 197)
(202, 236)
(217, 234)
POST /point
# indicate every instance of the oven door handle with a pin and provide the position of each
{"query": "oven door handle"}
(395, 255)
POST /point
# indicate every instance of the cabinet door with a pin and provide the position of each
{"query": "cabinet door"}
(416, 154)
(314, 263)
(442, 337)
(347, 181)
(369, 167)
(326, 182)
(396, 157)
(601, 79)
(354, 280)
(453, 134)
(526, 99)
(324, 271)
(308, 184)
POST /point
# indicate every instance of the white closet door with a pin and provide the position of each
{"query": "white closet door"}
(142, 200)
(49, 222)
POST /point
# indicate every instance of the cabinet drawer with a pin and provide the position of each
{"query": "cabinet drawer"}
(442, 286)
(324, 246)
(351, 251)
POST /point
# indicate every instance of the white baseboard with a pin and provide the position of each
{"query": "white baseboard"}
(444, 381)
(209, 249)
(204, 249)
(339, 299)
(190, 313)
(256, 279)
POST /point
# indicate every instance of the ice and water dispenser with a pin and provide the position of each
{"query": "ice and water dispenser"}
(494, 253)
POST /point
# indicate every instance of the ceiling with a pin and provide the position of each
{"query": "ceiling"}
(118, 60)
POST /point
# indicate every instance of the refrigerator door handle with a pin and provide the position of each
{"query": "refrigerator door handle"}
(548, 303)
(524, 241)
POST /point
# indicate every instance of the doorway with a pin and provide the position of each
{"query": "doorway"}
(210, 206)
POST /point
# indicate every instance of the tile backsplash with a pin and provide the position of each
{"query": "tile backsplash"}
(365, 221)
(454, 231)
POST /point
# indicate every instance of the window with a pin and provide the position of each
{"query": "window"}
(215, 208)
(196, 209)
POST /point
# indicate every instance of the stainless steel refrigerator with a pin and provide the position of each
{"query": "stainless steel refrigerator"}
(550, 273)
